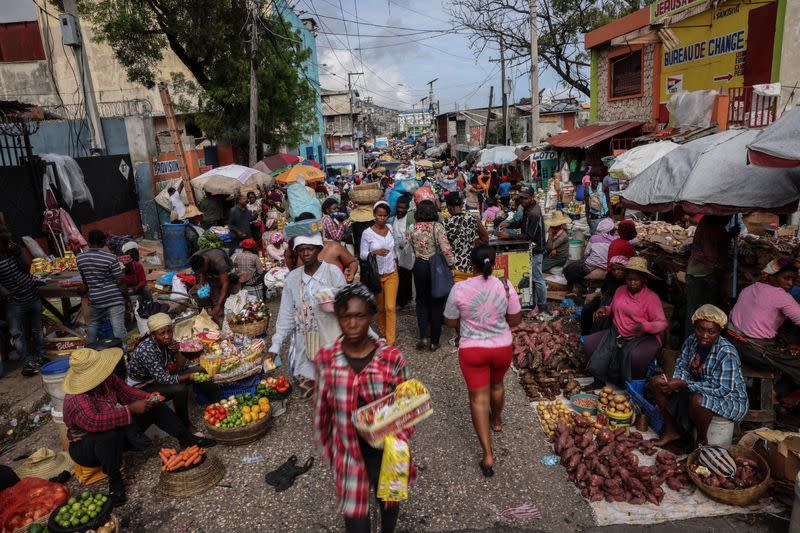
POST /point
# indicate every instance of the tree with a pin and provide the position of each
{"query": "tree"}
(210, 37)
(561, 25)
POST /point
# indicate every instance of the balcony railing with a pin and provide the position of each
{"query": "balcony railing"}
(749, 109)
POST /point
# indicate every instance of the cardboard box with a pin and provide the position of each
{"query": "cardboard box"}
(781, 450)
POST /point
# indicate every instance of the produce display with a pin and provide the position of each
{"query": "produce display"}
(237, 411)
(42, 267)
(548, 360)
(172, 460)
(747, 475)
(603, 465)
(190, 345)
(615, 404)
(201, 377)
(404, 399)
(270, 386)
(80, 511)
(252, 312)
(586, 402)
(209, 239)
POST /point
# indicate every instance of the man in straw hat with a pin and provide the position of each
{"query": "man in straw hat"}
(298, 315)
(557, 246)
(105, 417)
(707, 381)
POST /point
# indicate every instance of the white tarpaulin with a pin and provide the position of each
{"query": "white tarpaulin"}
(499, 155)
(631, 163)
(231, 179)
(780, 140)
(710, 175)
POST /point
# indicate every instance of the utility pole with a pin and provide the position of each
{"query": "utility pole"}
(98, 141)
(433, 110)
(505, 91)
(488, 117)
(255, 17)
(534, 76)
(350, 96)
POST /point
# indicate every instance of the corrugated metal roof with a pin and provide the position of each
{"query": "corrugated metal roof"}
(592, 134)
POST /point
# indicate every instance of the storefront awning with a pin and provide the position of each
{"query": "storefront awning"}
(591, 135)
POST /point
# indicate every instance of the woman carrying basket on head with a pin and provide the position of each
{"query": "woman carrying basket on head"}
(352, 372)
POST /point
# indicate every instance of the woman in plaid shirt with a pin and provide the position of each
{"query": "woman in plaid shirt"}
(352, 372)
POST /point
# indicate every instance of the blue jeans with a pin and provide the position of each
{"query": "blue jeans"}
(17, 314)
(116, 314)
(537, 276)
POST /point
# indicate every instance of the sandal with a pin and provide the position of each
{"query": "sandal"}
(306, 389)
(488, 471)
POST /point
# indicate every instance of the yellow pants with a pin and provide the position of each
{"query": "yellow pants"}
(387, 300)
(461, 276)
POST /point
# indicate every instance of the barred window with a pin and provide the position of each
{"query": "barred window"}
(626, 75)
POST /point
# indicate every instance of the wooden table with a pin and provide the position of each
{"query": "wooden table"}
(52, 289)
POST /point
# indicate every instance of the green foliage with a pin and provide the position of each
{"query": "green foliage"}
(211, 38)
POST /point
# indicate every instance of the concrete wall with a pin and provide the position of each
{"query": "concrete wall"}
(639, 108)
(30, 81)
(71, 137)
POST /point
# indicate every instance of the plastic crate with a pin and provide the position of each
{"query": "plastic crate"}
(229, 389)
(636, 390)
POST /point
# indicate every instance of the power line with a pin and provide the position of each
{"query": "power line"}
(374, 25)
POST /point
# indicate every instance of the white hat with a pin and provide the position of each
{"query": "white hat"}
(314, 240)
(130, 245)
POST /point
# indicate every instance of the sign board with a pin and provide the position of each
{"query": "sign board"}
(711, 53)
(664, 9)
(512, 265)
(541, 156)
(169, 166)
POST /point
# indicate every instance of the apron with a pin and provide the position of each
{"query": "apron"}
(320, 328)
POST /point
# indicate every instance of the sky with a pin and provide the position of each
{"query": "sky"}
(397, 69)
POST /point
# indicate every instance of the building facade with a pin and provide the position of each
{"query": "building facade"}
(339, 124)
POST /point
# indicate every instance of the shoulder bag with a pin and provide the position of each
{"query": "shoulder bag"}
(370, 275)
(441, 275)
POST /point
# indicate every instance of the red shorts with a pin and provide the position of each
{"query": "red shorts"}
(482, 366)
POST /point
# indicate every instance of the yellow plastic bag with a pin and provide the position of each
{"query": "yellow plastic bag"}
(395, 467)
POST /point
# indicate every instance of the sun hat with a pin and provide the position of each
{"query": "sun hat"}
(559, 219)
(314, 239)
(639, 264)
(712, 313)
(276, 237)
(158, 321)
(44, 463)
(525, 193)
(247, 244)
(89, 368)
(130, 245)
(777, 265)
(192, 212)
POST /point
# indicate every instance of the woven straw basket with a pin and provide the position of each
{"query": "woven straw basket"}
(366, 197)
(251, 329)
(204, 476)
(732, 496)
(241, 436)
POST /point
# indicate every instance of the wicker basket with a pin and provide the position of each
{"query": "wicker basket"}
(192, 482)
(732, 496)
(374, 185)
(238, 377)
(241, 436)
(210, 363)
(366, 197)
(251, 329)
(414, 412)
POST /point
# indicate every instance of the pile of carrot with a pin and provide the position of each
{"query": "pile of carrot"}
(172, 460)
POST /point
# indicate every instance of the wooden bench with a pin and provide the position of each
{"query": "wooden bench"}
(764, 414)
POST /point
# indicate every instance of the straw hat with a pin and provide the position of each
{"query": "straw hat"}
(639, 264)
(559, 219)
(362, 213)
(89, 368)
(192, 212)
(44, 463)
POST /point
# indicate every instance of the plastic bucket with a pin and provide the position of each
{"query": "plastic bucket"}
(176, 248)
(794, 525)
(720, 431)
(58, 419)
(53, 379)
(575, 250)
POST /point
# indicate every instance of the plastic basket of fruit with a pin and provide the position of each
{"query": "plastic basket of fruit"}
(87, 511)
(635, 390)
(224, 390)
(408, 405)
(239, 419)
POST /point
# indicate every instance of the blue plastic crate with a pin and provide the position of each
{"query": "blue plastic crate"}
(636, 390)
(229, 389)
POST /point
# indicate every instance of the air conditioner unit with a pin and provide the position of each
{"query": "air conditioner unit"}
(70, 32)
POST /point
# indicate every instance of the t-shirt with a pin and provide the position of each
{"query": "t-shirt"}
(19, 283)
(761, 309)
(239, 221)
(218, 261)
(505, 188)
(177, 206)
(136, 279)
(100, 271)
(462, 230)
(482, 305)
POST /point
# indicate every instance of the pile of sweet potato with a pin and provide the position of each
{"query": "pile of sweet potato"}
(547, 359)
(748, 474)
(604, 466)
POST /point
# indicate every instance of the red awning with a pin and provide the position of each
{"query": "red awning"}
(591, 135)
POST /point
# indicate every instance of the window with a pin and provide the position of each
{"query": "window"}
(626, 75)
(20, 41)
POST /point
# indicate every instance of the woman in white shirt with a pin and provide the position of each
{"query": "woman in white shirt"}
(378, 240)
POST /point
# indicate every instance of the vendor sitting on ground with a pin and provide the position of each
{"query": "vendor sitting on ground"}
(105, 417)
(622, 246)
(707, 381)
(248, 264)
(624, 351)
(758, 314)
(277, 247)
(194, 227)
(557, 245)
(157, 365)
(615, 278)
(135, 278)
(595, 257)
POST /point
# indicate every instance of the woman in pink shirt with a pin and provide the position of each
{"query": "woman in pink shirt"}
(482, 308)
(624, 351)
(758, 314)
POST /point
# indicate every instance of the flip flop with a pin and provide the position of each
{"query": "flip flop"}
(488, 471)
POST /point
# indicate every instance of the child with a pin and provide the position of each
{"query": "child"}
(277, 247)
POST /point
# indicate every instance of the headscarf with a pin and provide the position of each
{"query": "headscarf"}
(356, 290)
(381, 203)
(130, 245)
(587, 180)
(618, 260)
(158, 321)
(276, 238)
(248, 244)
(779, 265)
(605, 226)
(711, 313)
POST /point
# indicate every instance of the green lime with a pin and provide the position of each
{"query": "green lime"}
(91, 507)
(76, 507)
(93, 514)
(85, 519)
(62, 510)
(85, 495)
(104, 499)
(71, 501)
(75, 522)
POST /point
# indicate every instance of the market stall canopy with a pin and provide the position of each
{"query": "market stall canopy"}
(276, 162)
(633, 162)
(498, 155)
(436, 151)
(424, 163)
(778, 145)
(231, 179)
(311, 163)
(310, 174)
(710, 176)
(588, 136)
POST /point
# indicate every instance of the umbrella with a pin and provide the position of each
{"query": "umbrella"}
(499, 155)
(709, 176)
(231, 179)
(308, 172)
(424, 163)
(277, 162)
(633, 162)
(778, 145)
(312, 163)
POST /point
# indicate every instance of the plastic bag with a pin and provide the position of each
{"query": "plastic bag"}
(302, 201)
(179, 291)
(395, 470)
(33, 247)
(71, 181)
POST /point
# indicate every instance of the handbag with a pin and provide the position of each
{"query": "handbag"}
(370, 275)
(441, 275)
